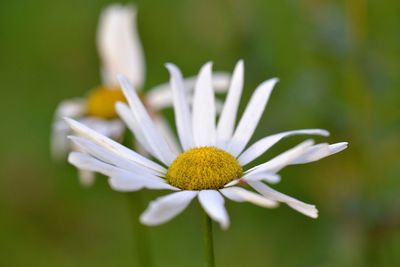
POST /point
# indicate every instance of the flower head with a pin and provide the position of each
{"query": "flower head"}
(203, 168)
(212, 161)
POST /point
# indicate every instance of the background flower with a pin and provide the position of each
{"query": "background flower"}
(121, 52)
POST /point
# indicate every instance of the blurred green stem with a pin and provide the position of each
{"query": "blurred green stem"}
(208, 241)
(141, 237)
(141, 232)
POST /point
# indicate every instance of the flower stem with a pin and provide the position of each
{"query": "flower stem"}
(208, 241)
(140, 231)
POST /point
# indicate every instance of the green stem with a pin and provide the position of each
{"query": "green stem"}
(141, 237)
(208, 241)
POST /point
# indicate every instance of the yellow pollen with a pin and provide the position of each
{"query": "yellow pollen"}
(203, 168)
(101, 102)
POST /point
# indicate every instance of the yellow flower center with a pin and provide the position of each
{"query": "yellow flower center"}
(203, 168)
(101, 102)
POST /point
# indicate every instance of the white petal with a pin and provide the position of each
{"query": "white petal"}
(113, 146)
(60, 144)
(269, 177)
(160, 96)
(88, 163)
(181, 108)
(165, 208)
(276, 164)
(320, 151)
(204, 109)
(259, 147)
(239, 194)
(126, 115)
(251, 117)
(120, 179)
(86, 178)
(113, 129)
(127, 182)
(338, 147)
(166, 131)
(221, 81)
(104, 155)
(73, 108)
(213, 204)
(272, 194)
(119, 45)
(227, 119)
(232, 183)
(154, 138)
(140, 149)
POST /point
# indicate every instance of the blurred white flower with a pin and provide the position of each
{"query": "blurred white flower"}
(212, 158)
(120, 52)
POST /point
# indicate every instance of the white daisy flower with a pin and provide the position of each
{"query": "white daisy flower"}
(120, 51)
(213, 159)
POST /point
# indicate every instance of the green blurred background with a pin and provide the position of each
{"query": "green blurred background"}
(338, 64)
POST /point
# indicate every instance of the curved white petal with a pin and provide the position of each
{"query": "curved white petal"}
(167, 207)
(213, 204)
(181, 108)
(259, 147)
(320, 151)
(119, 45)
(239, 194)
(113, 146)
(276, 164)
(268, 192)
(157, 142)
(160, 96)
(227, 119)
(126, 115)
(251, 117)
(203, 122)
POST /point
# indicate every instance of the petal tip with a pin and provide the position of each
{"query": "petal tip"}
(225, 226)
(207, 67)
(143, 219)
(172, 69)
(325, 132)
(240, 64)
